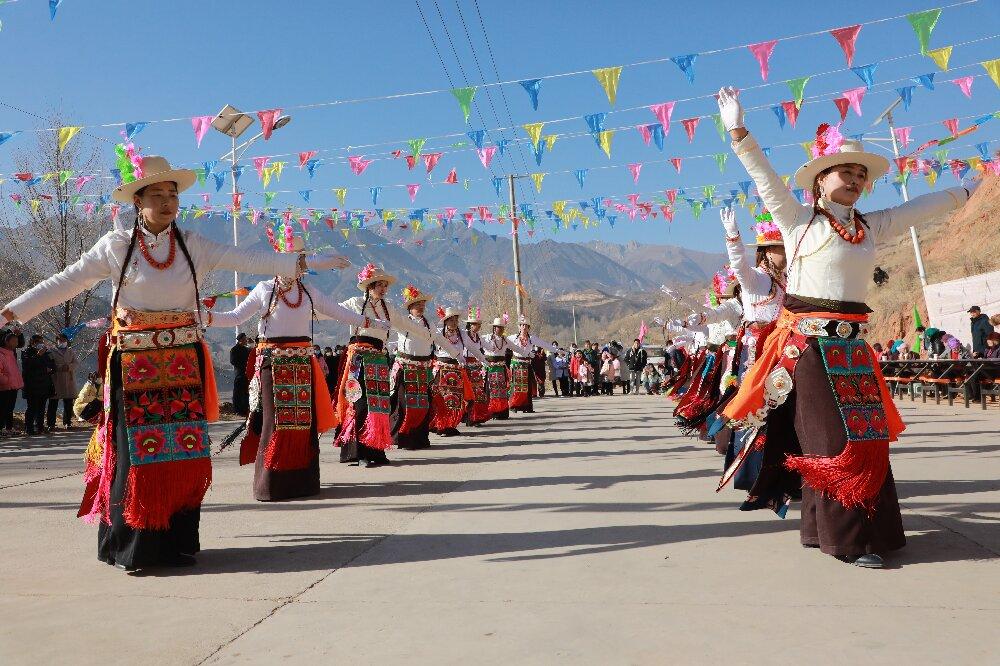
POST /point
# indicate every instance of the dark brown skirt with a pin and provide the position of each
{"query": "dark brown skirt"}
(270, 485)
(809, 423)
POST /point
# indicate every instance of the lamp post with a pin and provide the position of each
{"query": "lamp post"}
(887, 116)
(516, 247)
(233, 123)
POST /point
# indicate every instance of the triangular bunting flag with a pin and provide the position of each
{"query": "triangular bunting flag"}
(200, 125)
(779, 113)
(431, 160)
(846, 38)
(686, 64)
(464, 97)
(305, 156)
(926, 80)
(663, 112)
(905, 94)
(866, 73)
(534, 131)
(762, 52)
(923, 24)
(854, 96)
(720, 159)
(798, 87)
(791, 112)
(608, 78)
(634, 169)
(941, 57)
(965, 85)
(486, 155)
(676, 161)
(478, 137)
(645, 132)
(531, 86)
(412, 191)
(581, 175)
(604, 141)
(267, 120)
(66, 134)
(992, 68)
(690, 124)
(537, 178)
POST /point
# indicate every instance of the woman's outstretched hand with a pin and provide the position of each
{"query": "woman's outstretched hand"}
(728, 216)
(731, 112)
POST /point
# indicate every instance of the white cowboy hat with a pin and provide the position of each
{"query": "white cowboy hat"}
(155, 169)
(372, 273)
(851, 152)
(523, 321)
(450, 312)
(413, 295)
(499, 322)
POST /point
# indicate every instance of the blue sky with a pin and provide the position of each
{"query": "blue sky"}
(116, 61)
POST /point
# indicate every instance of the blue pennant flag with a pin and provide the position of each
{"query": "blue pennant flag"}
(53, 6)
(584, 204)
(686, 63)
(538, 151)
(238, 172)
(581, 175)
(526, 212)
(745, 187)
(374, 191)
(859, 137)
(478, 137)
(117, 173)
(898, 187)
(131, 129)
(104, 199)
(6, 136)
(936, 167)
(595, 121)
(658, 135)
(866, 73)
(906, 94)
(210, 166)
(532, 86)
(497, 182)
(797, 192)
(926, 80)
(779, 111)
(305, 194)
(549, 213)
(220, 180)
(311, 165)
(493, 236)
(502, 146)
(766, 151)
(71, 331)
(984, 149)
(982, 119)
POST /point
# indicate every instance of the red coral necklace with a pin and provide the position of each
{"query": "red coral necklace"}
(158, 265)
(859, 230)
(281, 295)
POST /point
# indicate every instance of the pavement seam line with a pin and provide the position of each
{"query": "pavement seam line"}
(52, 478)
(931, 519)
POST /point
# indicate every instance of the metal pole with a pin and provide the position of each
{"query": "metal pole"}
(236, 234)
(906, 197)
(576, 340)
(517, 251)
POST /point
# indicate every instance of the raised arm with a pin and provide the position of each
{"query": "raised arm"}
(92, 267)
(752, 281)
(216, 256)
(538, 342)
(472, 349)
(894, 221)
(516, 348)
(253, 304)
(326, 306)
(442, 342)
(400, 321)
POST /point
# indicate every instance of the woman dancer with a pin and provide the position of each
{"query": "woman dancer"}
(363, 396)
(290, 404)
(148, 466)
(522, 379)
(816, 388)
(495, 348)
(412, 375)
(477, 410)
(451, 386)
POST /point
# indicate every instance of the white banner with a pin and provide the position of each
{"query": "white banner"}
(948, 303)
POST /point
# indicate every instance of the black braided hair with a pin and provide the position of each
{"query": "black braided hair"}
(194, 274)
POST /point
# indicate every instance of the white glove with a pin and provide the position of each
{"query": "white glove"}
(322, 261)
(379, 324)
(728, 216)
(675, 323)
(694, 320)
(730, 109)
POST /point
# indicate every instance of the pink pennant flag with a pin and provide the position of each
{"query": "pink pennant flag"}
(468, 219)
(854, 96)
(396, 153)
(689, 126)
(88, 208)
(952, 125)
(643, 330)
(632, 199)
(305, 157)
(358, 164)
(671, 196)
(237, 200)
(255, 216)
(259, 163)
(676, 161)
(431, 160)
(843, 104)
(267, 120)
(634, 169)
(956, 167)
(846, 38)
(486, 155)
(413, 189)
(450, 213)
(762, 52)
(411, 161)
(663, 112)
(668, 213)
(200, 124)
(903, 135)
(115, 208)
(791, 112)
(452, 178)
(965, 85)
(646, 133)
(81, 181)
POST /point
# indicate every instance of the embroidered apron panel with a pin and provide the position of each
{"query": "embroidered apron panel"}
(449, 386)
(164, 405)
(478, 378)
(855, 388)
(416, 387)
(372, 372)
(519, 376)
(496, 381)
(292, 378)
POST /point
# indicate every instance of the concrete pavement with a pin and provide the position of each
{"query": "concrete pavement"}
(591, 534)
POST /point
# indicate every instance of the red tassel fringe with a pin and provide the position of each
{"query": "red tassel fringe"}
(157, 491)
(288, 450)
(853, 478)
(519, 399)
(248, 447)
(498, 405)
(443, 418)
(413, 418)
(479, 412)
(376, 433)
(347, 427)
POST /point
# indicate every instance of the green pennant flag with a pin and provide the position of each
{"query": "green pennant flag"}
(709, 191)
(65, 175)
(200, 174)
(720, 127)
(268, 198)
(917, 321)
(416, 145)
(798, 87)
(608, 78)
(464, 97)
(720, 159)
(923, 24)
(696, 208)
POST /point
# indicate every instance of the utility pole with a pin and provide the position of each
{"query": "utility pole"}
(575, 340)
(236, 217)
(887, 114)
(517, 249)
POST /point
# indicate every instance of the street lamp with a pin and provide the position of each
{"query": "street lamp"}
(887, 116)
(233, 123)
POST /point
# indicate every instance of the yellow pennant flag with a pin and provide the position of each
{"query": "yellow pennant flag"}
(35, 203)
(604, 140)
(537, 178)
(341, 193)
(66, 135)
(550, 140)
(741, 198)
(558, 207)
(975, 163)
(931, 177)
(346, 232)
(808, 147)
(277, 168)
(534, 131)
(752, 207)
(992, 68)
(200, 212)
(46, 177)
(265, 176)
(784, 179)
(941, 57)
(608, 78)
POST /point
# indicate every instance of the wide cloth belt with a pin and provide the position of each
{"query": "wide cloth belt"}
(158, 339)
(412, 357)
(496, 359)
(446, 360)
(819, 327)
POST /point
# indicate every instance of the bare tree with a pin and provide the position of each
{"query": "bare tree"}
(498, 298)
(44, 224)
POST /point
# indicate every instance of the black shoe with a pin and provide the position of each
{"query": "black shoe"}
(122, 567)
(810, 545)
(178, 560)
(869, 561)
